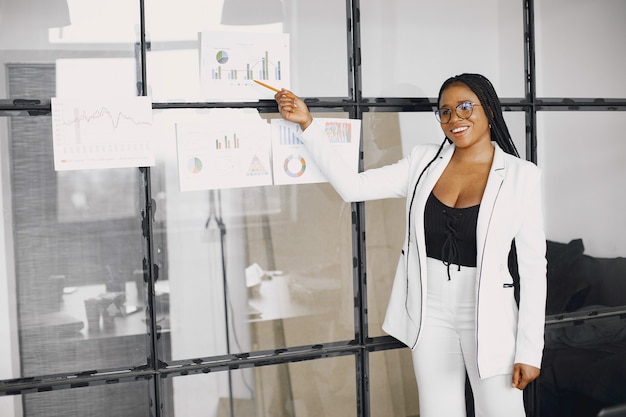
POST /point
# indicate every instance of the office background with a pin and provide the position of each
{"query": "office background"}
(306, 340)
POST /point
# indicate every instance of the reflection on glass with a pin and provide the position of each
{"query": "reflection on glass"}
(581, 155)
(29, 18)
(75, 76)
(407, 54)
(77, 257)
(128, 399)
(383, 135)
(93, 60)
(595, 53)
(241, 12)
(176, 64)
(325, 387)
(90, 195)
(264, 268)
(581, 158)
(274, 262)
(393, 391)
(90, 22)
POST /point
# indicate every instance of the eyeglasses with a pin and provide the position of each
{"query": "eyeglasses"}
(463, 110)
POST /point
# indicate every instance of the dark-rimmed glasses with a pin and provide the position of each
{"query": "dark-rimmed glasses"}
(463, 110)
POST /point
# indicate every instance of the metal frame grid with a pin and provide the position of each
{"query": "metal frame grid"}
(360, 347)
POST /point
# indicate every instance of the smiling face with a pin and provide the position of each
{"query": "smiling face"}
(469, 132)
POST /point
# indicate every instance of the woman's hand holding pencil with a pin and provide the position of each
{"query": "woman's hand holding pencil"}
(290, 106)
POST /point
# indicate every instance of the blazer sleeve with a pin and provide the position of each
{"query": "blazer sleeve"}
(390, 181)
(530, 243)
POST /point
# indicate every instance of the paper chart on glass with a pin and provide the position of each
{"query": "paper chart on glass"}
(222, 154)
(230, 61)
(98, 133)
(292, 163)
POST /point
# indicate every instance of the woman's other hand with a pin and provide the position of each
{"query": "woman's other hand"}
(293, 109)
(523, 375)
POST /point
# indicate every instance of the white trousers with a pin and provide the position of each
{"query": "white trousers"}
(447, 349)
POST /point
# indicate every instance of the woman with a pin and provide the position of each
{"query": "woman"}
(452, 300)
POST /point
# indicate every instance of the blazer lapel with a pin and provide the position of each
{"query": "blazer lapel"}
(487, 204)
(427, 183)
(430, 178)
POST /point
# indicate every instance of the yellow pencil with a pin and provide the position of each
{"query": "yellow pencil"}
(271, 88)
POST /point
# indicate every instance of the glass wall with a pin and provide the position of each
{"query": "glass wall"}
(408, 50)
(301, 389)
(128, 289)
(579, 151)
(580, 155)
(577, 62)
(250, 257)
(317, 43)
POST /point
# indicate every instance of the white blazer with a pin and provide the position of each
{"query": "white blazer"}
(511, 208)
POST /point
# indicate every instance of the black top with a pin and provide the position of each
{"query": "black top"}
(450, 233)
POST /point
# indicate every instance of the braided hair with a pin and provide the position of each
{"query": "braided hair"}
(486, 93)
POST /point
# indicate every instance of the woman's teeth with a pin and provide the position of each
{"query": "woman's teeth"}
(459, 129)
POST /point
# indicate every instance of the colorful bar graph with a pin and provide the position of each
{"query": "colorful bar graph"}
(247, 73)
(288, 136)
(228, 143)
(339, 132)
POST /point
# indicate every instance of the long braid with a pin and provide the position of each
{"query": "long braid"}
(409, 227)
(486, 93)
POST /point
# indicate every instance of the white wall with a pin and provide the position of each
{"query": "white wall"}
(484, 37)
(582, 153)
(9, 349)
(576, 48)
(583, 172)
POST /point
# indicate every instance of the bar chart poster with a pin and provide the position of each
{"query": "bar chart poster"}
(228, 155)
(231, 61)
(102, 133)
(292, 163)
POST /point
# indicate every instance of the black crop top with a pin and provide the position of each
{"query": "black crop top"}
(450, 233)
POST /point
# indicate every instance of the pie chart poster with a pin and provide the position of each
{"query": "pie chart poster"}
(291, 162)
(217, 157)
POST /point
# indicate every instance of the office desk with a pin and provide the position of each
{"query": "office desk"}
(52, 349)
(62, 341)
(288, 296)
(129, 325)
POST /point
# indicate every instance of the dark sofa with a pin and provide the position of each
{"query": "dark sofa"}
(584, 365)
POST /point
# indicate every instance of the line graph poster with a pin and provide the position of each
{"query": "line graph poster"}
(292, 163)
(223, 154)
(230, 61)
(102, 133)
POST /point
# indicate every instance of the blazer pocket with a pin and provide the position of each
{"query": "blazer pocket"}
(507, 285)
